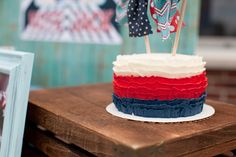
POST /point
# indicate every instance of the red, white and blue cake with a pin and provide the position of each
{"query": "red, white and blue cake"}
(159, 85)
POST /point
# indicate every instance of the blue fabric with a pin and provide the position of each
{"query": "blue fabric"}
(161, 109)
(138, 22)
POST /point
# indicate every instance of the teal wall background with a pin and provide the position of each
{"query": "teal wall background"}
(69, 64)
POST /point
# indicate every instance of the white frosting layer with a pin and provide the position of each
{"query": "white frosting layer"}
(163, 65)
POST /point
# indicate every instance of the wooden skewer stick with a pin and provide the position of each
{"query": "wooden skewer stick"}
(180, 23)
(147, 43)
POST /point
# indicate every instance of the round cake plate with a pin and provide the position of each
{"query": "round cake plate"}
(207, 112)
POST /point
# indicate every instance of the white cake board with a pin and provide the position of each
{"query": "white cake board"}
(207, 111)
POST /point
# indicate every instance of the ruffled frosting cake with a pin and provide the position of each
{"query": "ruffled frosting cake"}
(159, 85)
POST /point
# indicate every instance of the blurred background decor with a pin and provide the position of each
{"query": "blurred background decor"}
(62, 63)
(217, 45)
(69, 21)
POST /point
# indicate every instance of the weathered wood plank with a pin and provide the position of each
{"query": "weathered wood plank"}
(29, 151)
(77, 115)
(51, 146)
(214, 150)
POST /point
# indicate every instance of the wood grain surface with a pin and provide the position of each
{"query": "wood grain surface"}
(29, 151)
(50, 146)
(77, 116)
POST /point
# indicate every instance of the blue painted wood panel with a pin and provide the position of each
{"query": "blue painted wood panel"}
(68, 64)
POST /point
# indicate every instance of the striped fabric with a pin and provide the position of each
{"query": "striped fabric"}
(163, 12)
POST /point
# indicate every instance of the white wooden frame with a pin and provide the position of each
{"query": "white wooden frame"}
(18, 65)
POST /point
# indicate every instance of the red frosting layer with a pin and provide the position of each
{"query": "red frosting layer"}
(154, 87)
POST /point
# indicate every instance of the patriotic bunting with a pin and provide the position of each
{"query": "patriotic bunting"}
(134, 13)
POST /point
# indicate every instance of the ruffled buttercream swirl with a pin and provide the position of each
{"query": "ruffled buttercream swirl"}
(163, 65)
(162, 109)
(154, 87)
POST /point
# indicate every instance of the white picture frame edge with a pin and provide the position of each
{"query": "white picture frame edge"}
(24, 65)
(10, 70)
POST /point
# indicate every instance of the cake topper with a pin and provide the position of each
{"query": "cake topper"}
(133, 13)
(165, 15)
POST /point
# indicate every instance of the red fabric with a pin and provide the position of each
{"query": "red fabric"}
(150, 88)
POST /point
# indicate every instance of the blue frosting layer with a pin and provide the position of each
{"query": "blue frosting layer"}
(161, 109)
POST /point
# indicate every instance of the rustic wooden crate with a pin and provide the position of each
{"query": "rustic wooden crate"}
(44, 143)
(75, 120)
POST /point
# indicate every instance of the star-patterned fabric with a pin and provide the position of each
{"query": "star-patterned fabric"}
(139, 24)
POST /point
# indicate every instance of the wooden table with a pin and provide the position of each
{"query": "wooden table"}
(74, 122)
